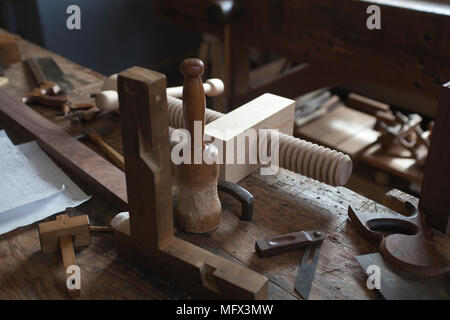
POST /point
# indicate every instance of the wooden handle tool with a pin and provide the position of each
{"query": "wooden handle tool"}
(199, 209)
(68, 256)
(404, 239)
(113, 155)
(44, 87)
(212, 87)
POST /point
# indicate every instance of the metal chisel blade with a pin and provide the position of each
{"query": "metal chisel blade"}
(306, 271)
(53, 73)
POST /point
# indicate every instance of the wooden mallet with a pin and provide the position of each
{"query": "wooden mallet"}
(58, 234)
(199, 209)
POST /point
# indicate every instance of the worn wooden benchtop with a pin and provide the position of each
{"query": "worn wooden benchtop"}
(284, 203)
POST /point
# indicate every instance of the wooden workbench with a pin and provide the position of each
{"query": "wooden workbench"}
(284, 203)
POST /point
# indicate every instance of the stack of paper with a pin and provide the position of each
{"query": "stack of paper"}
(32, 187)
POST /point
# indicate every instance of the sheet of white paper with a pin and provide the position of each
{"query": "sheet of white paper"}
(68, 196)
(20, 181)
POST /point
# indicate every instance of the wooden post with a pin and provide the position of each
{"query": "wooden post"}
(436, 181)
(147, 163)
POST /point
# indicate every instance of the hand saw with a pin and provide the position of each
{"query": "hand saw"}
(51, 82)
(409, 264)
(45, 91)
(311, 240)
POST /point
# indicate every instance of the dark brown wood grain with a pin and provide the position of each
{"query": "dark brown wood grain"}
(198, 208)
(147, 157)
(107, 180)
(436, 181)
(406, 56)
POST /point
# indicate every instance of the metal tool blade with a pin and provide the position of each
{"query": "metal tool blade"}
(306, 271)
(400, 285)
(53, 73)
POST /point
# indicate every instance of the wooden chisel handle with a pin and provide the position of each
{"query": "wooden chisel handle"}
(67, 253)
(287, 242)
(115, 157)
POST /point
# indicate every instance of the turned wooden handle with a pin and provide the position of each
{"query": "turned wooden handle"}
(67, 253)
(287, 242)
(194, 103)
(213, 87)
(44, 86)
(115, 157)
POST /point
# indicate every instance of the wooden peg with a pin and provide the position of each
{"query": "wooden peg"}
(112, 154)
(199, 209)
(213, 87)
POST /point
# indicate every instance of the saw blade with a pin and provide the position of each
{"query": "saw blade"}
(400, 285)
(306, 271)
(53, 73)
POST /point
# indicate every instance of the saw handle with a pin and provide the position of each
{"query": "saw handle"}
(287, 242)
(46, 100)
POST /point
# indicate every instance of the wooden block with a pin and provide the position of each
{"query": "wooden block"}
(266, 112)
(365, 104)
(146, 151)
(50, 232)
(9, 52)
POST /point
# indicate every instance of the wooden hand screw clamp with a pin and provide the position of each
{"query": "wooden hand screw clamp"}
(147, 238)
(199, 208)
(267, 111)
(57, 235)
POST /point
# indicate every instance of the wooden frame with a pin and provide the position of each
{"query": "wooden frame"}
(150, 242)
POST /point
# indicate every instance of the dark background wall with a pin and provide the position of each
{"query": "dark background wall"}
(114, 35)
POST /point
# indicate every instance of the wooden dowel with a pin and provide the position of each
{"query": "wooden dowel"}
(113, 155)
